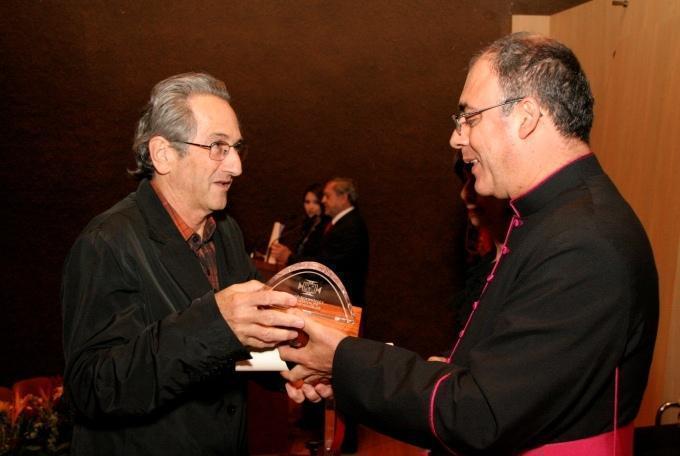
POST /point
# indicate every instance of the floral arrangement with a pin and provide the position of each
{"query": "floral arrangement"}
(34, 419)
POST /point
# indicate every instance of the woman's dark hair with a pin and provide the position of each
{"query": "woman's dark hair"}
(315, 188)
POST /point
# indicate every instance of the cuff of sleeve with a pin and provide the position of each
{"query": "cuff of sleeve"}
(204, 323)
(347, 360)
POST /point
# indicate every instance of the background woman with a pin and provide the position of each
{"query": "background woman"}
(311, 231)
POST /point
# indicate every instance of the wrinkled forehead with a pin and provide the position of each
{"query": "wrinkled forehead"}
(481, 87)
(214, 117)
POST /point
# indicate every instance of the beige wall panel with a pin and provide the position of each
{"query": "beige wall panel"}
(632, 57)
(672, 383)
(534, 24)
(590, 30)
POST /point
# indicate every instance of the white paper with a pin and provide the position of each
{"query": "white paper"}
(276, 234)
(268, 360)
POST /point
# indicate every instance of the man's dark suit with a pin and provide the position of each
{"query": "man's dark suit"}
(344, 249)
(149, 359)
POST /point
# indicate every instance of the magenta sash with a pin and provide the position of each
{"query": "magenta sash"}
(614, 443)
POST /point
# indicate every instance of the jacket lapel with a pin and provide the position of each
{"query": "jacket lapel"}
(184, 267)
(174, 252)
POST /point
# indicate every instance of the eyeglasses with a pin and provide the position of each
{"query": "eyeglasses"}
(220, 149)
(462, 118)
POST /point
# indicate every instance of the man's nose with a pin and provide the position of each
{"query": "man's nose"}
(232, 164)
(458, 140)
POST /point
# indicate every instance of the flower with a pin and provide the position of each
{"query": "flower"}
(33, 421)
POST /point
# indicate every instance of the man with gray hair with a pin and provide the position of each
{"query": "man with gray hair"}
(554, 356)
(158, 296)
(344, 247)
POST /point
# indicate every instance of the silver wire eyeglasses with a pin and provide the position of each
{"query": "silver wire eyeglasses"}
(219, 150)
(458, 118)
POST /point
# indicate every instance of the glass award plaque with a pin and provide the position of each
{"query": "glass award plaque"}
(320, 294)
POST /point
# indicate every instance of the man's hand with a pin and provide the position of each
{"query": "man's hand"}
(246, 307)
(311, 393)
(279, 252)
(314, 363)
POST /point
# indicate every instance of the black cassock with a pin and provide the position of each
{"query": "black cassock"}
(574, 296)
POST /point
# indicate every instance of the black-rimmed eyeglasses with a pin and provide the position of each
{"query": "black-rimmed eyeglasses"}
(219, 150)
(461, 118)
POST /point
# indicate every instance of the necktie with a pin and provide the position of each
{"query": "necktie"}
(327, 229)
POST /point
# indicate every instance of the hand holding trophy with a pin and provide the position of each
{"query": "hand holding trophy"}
(320, 295)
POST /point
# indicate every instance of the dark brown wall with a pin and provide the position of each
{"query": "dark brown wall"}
(355, 88)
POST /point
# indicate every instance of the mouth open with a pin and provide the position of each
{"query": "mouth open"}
(223, 183)
(472, 164)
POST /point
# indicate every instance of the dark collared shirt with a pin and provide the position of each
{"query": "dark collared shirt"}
(204, 247)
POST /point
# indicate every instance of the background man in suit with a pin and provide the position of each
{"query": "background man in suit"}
(554, 356)
(158, 298)
(344, 247)
(344, 244)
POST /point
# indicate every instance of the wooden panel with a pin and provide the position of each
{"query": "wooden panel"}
(631, 56)
(534, 24)
(543, 7)
(672, 380)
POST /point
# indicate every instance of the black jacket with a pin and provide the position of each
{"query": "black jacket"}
(149, 359)
(311, 235)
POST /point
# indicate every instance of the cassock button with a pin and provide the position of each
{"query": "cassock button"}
(231, 409)
(505, 250)
(461, 333)
(474, 305)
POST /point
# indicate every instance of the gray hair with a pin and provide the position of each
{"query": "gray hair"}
(168, 114)
(345, 186)
(534, 65)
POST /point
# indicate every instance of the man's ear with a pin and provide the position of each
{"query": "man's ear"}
(529, 112)
(161, 154)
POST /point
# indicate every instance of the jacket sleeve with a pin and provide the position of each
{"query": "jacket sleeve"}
(550, 351)
(119, 360)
